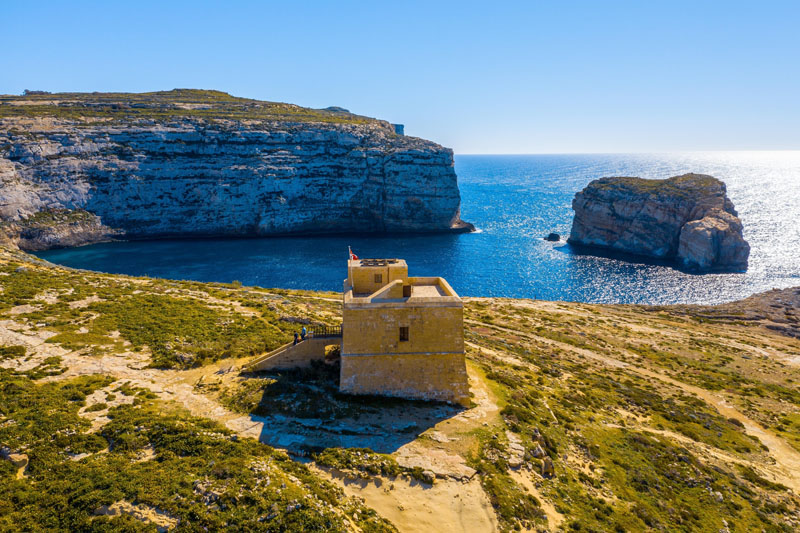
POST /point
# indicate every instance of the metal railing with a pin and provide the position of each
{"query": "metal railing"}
(324, 331)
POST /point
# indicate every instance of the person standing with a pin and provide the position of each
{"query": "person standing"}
(295, 338)
(303, 333)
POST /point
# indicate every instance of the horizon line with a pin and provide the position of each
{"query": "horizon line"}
(781, 150)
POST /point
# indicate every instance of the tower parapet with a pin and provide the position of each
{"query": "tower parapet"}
(401, 336)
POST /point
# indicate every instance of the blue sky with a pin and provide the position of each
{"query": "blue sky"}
(480, 77)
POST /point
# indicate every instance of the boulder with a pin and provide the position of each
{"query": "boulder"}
(428, 476)
(688, 220)
(548, 470)
(516, 455)
(538, 452)
(715, 239)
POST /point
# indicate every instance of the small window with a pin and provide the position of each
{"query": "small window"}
(406, 291)
(403, 333)
(378, 278)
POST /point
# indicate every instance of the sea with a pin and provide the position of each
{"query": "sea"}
(514, 201)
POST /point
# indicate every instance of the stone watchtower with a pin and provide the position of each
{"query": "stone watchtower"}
(401, 336)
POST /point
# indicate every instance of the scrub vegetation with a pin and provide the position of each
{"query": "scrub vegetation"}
(164, 105)
(173, 321)
(584, 418)
(52, 218)
(687, 186)
(609, 396)
(195, 474)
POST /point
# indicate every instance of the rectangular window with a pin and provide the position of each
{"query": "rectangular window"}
(403, 333)
(378, 278)
(406, 291)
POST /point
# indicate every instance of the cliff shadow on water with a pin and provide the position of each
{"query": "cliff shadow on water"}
(296, 262)
(587, 250)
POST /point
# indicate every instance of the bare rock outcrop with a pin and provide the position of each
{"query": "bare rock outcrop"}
(687, 219)
(19, 460)
(203, 163)
(57, 228)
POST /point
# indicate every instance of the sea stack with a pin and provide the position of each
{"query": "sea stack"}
(84, 167)
(686, 219)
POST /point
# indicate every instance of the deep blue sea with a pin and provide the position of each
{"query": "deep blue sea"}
(514, 201)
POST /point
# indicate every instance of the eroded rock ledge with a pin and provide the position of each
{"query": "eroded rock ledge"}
(687, 219)
(79, 168)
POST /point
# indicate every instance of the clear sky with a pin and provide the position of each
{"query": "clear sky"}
(483, 77)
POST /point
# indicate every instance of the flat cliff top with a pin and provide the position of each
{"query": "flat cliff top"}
(684, 186)
(590, 417)
(177, 103)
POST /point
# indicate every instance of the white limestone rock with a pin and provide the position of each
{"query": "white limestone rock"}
(687, 219)
(196, 176)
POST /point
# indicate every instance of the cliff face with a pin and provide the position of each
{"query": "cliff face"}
(201, 163)
(688, 219)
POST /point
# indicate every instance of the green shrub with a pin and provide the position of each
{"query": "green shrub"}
(184, 332)
(201, 474)
(11, 352)
(363, 461)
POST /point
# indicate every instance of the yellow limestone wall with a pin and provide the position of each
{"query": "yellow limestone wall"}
(376, 330)
(362, 279)
(426, 377)
(430, 365)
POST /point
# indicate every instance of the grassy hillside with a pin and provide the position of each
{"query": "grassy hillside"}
(635, 406)
(123, 394)
(168, 468)
(160, 105)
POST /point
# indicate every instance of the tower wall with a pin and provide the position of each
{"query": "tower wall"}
(434, 376)
(429, 365)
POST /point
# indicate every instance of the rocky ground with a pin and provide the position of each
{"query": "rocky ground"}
(584, 417)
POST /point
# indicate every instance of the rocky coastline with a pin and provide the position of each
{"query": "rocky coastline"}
(687, 220)
(83, 168)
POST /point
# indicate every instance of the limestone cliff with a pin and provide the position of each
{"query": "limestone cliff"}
(687, 219)
(203, 163)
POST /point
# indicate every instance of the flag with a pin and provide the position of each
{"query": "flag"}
(352, 255)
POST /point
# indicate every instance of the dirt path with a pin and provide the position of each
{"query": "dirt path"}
(523, 478)
(498, 355)
(787, 460)
(787, 468)
(441, 448)
(456, 502)
(450, 504)
(414, 507)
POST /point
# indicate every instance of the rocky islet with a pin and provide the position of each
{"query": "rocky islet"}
(686, 219)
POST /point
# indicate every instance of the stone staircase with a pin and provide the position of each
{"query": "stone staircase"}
(298, 355)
